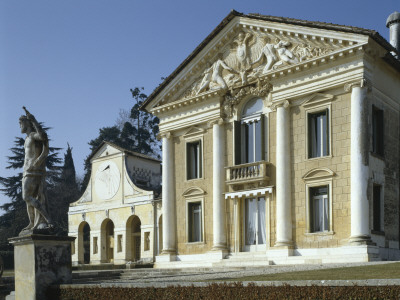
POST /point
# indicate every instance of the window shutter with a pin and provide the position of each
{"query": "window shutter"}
(264, 132)
(237, 141)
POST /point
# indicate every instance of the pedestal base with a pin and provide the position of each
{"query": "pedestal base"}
(40, 261)
(166, 257)
(281, 251)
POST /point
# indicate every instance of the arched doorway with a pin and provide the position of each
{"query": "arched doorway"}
(107, 232)
(133, 229)
(84, 243)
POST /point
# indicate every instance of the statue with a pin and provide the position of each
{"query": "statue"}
(285, 54)
(269, 52)
(241, 55)
(34, 174)
(213, 74)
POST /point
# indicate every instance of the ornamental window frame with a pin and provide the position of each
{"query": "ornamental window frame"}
(315, 178)
(194, 135)
(318, 103)
(191, 196)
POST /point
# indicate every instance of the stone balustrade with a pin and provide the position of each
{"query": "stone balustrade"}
(247, 173)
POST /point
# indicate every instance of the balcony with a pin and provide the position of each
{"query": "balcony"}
(251, 173)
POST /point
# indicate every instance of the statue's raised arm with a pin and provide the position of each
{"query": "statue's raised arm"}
(40, 134)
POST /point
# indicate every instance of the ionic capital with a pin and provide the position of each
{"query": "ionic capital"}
(363, 83)
(162, 135)
(285, 104)
(219, 121)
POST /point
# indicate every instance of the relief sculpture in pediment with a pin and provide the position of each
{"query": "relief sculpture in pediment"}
(250, 56)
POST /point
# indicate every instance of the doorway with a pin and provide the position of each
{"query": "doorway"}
(254, 225)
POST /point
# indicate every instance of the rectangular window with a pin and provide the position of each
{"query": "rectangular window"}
(194, 157)
(377, 221)
(319, 209)
(377, 131)
(318, 134)
(195, 222)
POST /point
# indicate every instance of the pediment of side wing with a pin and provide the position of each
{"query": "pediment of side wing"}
(248, 50)
(106, 149)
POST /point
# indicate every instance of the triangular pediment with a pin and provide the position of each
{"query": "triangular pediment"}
(193, 131)
(106, 149)
(317, 99)
(246, 50)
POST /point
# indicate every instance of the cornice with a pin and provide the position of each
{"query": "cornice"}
(188, 101)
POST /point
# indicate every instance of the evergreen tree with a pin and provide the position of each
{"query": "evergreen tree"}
(140, 133)
(63, 192)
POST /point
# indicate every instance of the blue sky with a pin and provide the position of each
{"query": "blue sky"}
(72, 63)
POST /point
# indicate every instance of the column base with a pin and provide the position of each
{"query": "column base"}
(284, 243)
(357, 240)
(165, 257)
(217, 253)
(40, 261)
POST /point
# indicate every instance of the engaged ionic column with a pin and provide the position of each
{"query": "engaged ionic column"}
(283, 177)
(168, 195)
(359, 164)
(219, 234)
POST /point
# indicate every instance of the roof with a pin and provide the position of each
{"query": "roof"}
(314, 24)
(133, 153)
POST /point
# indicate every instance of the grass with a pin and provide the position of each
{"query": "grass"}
(381, 271)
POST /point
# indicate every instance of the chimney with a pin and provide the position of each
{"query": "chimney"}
(393, 23)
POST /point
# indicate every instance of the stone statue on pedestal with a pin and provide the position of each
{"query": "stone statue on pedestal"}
(34, 175)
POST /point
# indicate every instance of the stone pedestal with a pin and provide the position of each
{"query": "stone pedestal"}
(40, 261)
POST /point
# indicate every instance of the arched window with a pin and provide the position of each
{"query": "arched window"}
(249, 133)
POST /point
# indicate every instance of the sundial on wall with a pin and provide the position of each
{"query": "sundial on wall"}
(107, 180)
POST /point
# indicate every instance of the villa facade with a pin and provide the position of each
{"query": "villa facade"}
(280, 142)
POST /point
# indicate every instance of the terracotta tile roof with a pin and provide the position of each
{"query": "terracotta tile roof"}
(314, 24)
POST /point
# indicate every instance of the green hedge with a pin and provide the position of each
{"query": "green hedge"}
(227, 291)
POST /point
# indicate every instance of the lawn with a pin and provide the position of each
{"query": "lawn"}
(381, 271)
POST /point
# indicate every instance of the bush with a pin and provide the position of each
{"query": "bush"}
(226, 291)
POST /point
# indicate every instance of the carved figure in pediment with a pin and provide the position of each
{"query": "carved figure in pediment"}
(304, 52)
(285, 54)
(241, 50)
(213, 76)
(268, 51)
(242, 55)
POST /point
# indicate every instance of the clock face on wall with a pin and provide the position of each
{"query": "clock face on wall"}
(107, 180)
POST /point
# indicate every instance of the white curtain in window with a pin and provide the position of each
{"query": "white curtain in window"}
(262, 236)
(250, 222)
(318, 213)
